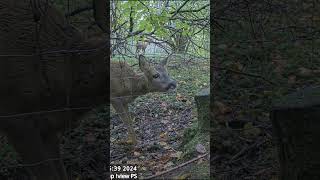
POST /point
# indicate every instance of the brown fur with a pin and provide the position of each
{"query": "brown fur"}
(126, 85)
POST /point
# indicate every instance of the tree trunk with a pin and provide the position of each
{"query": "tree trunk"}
(296, 123)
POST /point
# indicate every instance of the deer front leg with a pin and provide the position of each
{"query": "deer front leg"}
(122, 109)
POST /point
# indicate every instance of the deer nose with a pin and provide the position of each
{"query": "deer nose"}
(172, 85)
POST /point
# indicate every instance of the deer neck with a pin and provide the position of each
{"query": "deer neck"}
(141, 85)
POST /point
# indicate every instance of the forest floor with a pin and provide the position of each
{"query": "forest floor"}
(161, 121)
(246, 83)
(242, 144)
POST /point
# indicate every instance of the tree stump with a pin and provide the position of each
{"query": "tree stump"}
(203, 101)
(296, 124)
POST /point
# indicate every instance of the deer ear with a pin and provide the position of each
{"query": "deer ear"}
(164, 62)
(142, 62)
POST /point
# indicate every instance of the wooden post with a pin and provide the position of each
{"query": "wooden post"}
(296, 124)
(203, 100)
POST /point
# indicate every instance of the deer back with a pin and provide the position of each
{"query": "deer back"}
(122, 77)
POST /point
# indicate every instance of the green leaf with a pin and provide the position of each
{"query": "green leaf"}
(148, 27)
(184, 33)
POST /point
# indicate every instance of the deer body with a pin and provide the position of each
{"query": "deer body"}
(141, 47)
(126, 85)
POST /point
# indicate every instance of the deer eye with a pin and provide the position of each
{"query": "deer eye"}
(155, 76)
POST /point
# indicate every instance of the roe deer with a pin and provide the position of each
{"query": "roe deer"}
(126, 85)
(49, 76)
(141, 47)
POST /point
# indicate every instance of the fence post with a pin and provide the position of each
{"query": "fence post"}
(202, 101)
(296, 124)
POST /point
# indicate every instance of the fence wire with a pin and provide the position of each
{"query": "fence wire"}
(37, 50)
(43, 53)
(255, 43)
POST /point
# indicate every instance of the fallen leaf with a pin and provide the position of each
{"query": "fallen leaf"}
(278, 62)
(162, 143)
(188, 103)
(201, 160)
(179, 97)
(136, 153)
(221, 108)
(165, 158)
(90, 138)
(317, 71)
(278, 70)
(267, 93)
(169, 164)
(142, 157)
(292, 79)
(133, 162)
(112, 139)
(201, 149)
(222, 46)
(183, 177)
(304, 72)
(251, 131)
(177, 154)
(163, 135)
(164, 121)
(236, 66)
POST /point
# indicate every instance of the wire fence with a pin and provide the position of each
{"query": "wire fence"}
(42, 54)
(53, 48)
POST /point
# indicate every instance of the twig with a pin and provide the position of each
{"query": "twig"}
(177, 11)
(181, 165)
(194, 10)
(256, 144)
(116, 157)
(35, 164)
(262, 171)
(77, 11)
(66, 109)
(246, 74)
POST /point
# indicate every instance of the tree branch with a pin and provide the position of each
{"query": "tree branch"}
(194, 10)
(177, 11)
(78, 11)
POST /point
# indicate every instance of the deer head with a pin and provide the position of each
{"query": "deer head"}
(126, 85)
(157, 75)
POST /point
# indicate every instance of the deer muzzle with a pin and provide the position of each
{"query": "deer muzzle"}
(171, 86)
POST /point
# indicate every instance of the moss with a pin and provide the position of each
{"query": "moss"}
(192, 137)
